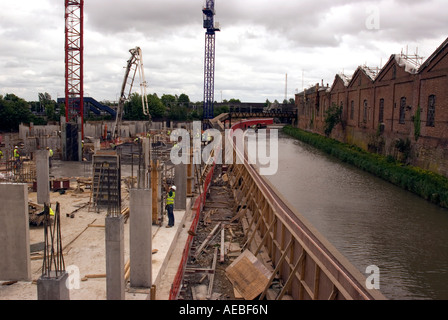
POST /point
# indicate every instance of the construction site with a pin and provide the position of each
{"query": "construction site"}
(83, 196)
(86, 206)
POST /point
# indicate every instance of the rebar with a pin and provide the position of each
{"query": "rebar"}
(53, 260)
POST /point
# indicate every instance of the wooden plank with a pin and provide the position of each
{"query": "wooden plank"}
(248, 275)
(198, 252)
(277, 268)
(288, 282)
(221, 258)
(212, 276)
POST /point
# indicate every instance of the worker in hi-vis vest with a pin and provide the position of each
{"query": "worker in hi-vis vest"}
(16, 157)
(170, 206)
(50, 155)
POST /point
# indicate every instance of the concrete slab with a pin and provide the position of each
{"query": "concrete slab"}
(83, 240)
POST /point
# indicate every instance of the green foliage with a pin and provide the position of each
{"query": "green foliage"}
(13, 111)
(332, 118)
(221, 109)
(427, 184)
(183, 101)
(156, 107)
(133, 109)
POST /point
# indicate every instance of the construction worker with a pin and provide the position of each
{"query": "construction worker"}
(16, 157)
(50, 211)
(170, 206)
(1, 155)
(50, 155)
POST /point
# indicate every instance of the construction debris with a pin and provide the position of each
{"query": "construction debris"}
(248, 275)
(216, 239)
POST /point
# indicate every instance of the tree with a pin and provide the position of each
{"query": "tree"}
(183, 100)
(333, 116)
(156, 108)
(133, 109)
(13, 111)
(168, 100)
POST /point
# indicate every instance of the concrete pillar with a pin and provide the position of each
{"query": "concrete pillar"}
(96, 145)
(15, 261)
(115, 282)
(54, 288)
(180, 181)
(154, 190)
(190, 176)
(146, 145)
(140, 238)
(80, 153)
(143, 181)
(42, 176)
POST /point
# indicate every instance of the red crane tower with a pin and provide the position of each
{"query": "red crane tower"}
(74, 46)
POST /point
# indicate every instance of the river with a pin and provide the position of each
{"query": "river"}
(370, 221)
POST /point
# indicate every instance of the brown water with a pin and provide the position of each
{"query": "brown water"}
(370, 221)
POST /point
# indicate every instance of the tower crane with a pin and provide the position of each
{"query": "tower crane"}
(134, 64)
(209, 61)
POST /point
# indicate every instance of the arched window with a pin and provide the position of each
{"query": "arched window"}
(352, 110)
(381, 116)
(430, 116)
(365, 113)
(402, 110)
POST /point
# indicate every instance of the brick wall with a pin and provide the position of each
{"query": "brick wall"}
(380, 108)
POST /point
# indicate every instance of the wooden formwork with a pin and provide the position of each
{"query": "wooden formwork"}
(304, 265)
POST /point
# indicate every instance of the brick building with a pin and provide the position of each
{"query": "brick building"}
(399, 110)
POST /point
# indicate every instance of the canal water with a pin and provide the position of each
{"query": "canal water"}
(370, 221)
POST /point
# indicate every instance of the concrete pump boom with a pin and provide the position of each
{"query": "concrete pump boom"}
(134, 63)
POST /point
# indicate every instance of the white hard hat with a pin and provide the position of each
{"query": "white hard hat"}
(173, 187)
(16, 147)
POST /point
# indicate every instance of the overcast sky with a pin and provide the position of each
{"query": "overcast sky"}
(260, 42)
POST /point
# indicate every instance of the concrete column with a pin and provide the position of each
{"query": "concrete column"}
(80, 153)
(143, 182)
(115, 258)
(96, 145)
(43, 178)
(146, 145)
(180, 181)
(190, 176)
(15, 261)
(140, 238)
(54, 288)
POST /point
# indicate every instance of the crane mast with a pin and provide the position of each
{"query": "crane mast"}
(134, 64)
(209, 61)
(74, 62)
